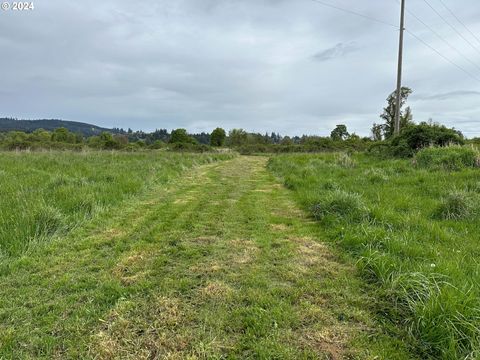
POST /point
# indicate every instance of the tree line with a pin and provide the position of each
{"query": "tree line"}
(382, 140)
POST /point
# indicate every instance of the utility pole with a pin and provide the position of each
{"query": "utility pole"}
(399, 73)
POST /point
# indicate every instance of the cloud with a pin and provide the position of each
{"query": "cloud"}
(338, 50)
(229, 63)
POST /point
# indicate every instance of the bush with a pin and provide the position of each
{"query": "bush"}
(342, 204)
(416, 137)
(200, 148)
(448, 158)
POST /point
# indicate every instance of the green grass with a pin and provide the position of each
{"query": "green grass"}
(448, 158)
(50, 193)
(218, 263)
(415, 234)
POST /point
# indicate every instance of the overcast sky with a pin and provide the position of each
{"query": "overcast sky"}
(289, 66)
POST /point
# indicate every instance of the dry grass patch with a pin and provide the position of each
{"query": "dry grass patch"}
(216, 290)
(209, 268)
(317, 255)
(331, 341)
(242, 251)
(280, 227)
(113, 233)
(145, 330)
(263, 190)
(206, 240)
(133, 268)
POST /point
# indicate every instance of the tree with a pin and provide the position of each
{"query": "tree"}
(339, 133)
(180, 136)
(41, 135)
(63, 135)
(237, 137)
(389, 112)
(218, 137)
(377, 132)
(286, 141)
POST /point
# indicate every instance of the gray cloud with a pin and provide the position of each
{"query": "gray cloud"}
(338, 50)
(233, 63)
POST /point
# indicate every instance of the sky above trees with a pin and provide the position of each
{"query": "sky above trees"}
(287, 66)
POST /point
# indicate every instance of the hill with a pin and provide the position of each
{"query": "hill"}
(8, 124)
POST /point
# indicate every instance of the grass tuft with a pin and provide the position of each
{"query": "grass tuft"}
(340, 204)
(456, 205)
(48, 220)
(344, 160)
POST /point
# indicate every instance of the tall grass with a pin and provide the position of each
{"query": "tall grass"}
(43, 194)
(416, 241)
(448, 158)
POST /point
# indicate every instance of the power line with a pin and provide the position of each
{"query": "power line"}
(453, 27)
(355, 13)
(408, 31)
(443, 39)
(460, 21)
(443, 56)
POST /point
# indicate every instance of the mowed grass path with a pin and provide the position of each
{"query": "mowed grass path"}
(219, 265)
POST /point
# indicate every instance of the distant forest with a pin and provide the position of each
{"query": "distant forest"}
(88, 130)
(59, 134)
(29, 126)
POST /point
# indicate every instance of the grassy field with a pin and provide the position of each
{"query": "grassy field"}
(47, 194)
(415, 234)
(217, 263)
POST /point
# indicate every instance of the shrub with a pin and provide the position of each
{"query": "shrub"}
(186, 147)
(448, 158)
(416, 137)
(340, 204)
(456, 205)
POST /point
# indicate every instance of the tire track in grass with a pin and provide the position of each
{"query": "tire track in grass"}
(247, 279)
